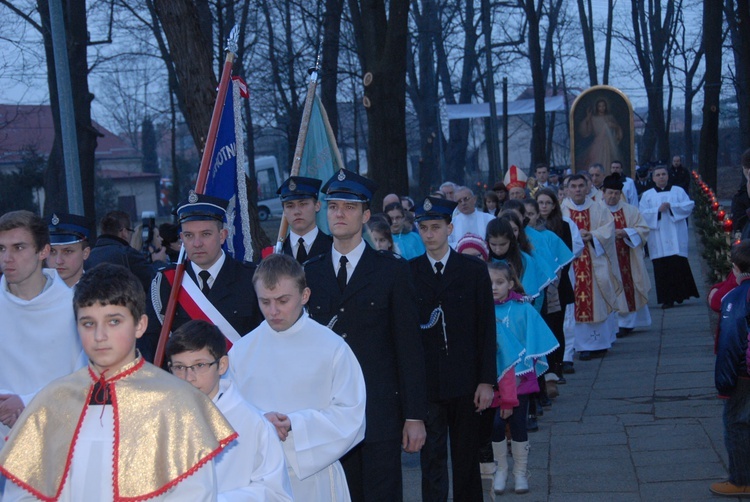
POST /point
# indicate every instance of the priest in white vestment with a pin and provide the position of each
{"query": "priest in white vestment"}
(665, 208)
(591, 321)
(466, 218)
(305, 379)
(631, 233)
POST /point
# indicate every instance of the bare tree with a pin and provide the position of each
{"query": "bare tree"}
(422, 88)
(330, 60)
(688, 55)
(586, 16)
(381, 32)
(540, 60)
(653, 38)
(709, 143)
(738, 19)
(458, 139)
(192, 57)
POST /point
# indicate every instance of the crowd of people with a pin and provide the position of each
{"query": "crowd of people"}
(427, 324)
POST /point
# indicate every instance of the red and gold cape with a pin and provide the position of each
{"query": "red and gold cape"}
(165, 430)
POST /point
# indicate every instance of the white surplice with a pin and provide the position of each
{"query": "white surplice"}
(252, 467)
(310, 374)
(40, 340)
(475, 223)
(669, 233)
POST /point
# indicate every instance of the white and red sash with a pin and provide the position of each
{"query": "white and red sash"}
(197, 306)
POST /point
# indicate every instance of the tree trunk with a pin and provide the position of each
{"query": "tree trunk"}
(192, 56)
(538, 124)
(382, 51)
(458, 130)
(738, 18)
(76, 35)
(587, 26)
(422, 90)
(653, 38)
(608, 42)
(709, 141)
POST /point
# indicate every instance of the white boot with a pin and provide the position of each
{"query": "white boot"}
(500, 451)
(520, 451)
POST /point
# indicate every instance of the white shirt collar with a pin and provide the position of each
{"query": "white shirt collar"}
(443, 260)
(309, 238)
(353, 256)
(213, 270)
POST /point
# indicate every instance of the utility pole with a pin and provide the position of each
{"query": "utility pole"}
(505, 123)
(67, 113)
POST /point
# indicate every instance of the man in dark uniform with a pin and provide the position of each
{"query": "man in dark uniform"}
(299, 197)
(226, 283)
(457, 315)
(367, 297)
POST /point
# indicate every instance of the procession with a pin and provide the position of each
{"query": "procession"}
(305, 252)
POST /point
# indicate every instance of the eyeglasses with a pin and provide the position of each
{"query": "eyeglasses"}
(465, 199)
(198, 369)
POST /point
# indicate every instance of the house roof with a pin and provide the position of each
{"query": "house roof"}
(30, 126)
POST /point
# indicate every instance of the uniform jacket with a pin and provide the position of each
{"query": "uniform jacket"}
(112, 249)
(321, 244)
(732, 343)
(232, 294)
(377, 316)
(465, 294)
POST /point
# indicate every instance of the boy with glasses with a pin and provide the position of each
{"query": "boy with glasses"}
(253, 467)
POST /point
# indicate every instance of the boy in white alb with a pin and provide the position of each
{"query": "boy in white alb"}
(305, 379)
(251, 468)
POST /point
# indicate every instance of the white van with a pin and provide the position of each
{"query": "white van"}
(269, 179)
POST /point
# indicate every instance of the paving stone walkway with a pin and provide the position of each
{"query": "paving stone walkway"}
(641, 424)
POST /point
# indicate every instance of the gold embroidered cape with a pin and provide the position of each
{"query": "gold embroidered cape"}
(165, 430)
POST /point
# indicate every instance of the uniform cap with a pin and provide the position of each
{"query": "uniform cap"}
(348, 185)
(299, 187)
(199, 207)
(434, 208)
(67, 228)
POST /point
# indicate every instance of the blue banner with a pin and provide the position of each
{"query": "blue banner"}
(320, 157)
(226, 176)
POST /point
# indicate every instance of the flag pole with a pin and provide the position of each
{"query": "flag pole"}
(200, 187)
(299, 149)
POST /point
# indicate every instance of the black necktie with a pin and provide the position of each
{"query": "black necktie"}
(438, 269)
(301, 252)
(205, 275)
(341, 276)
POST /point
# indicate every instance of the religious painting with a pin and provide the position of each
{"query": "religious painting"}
(601, 125)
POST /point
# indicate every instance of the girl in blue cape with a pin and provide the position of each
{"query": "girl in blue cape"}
(505, 247)
(519, 327)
